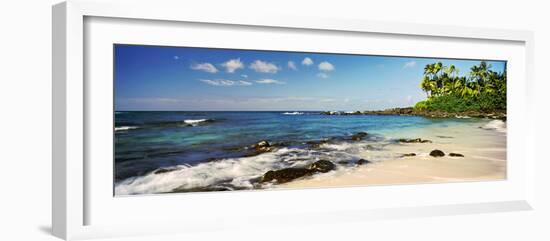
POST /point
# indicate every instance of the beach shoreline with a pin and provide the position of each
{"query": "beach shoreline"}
(484, 159)
(410, 111)
(472, 149)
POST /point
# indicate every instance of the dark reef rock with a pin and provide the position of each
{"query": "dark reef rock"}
(289, 174)
(393, 111)
(286, 175)
(343, 162)
(416, 140)
(362, 162)
(263, 146)
(456, 155)
(437, 153)
(359, 136)
(164, 170)
(316, 144)
(341, 113)
(259, 148)
(322, 166)
(409, 111)
(409, 154)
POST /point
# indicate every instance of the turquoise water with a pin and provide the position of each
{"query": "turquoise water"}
(147, 141)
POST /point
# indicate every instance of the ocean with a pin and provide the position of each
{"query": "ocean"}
(185, 151)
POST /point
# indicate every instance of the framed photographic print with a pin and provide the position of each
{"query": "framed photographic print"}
(191, 119)
(281, 118)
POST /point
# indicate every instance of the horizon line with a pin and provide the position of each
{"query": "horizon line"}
(244, 110)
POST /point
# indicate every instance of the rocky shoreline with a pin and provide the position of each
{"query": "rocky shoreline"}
(284, 175)
(409, 111)
(296, 169)
(322, 166)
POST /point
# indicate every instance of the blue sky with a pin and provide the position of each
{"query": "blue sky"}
(181, 78)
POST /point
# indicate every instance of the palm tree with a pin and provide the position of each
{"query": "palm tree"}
(428, 86)
(425, 85)
(450, 70)
(479, 74)
(439, 80)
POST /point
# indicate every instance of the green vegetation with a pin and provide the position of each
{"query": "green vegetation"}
(481, 90)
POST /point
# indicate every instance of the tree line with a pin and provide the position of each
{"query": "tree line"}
(482, 89)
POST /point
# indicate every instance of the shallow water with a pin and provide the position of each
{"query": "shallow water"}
(484, 151)
(209, 149)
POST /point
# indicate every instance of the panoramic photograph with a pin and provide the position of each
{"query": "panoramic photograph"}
(189, 119)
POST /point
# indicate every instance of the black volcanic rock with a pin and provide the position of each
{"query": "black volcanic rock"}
(362, 162)
(456, 155)
(317, 143)
(322, 166)
(437, 153)
(289, 174)
(263, 146)
(164, 170)
(285, 175)
(416, 140)
(359, 136)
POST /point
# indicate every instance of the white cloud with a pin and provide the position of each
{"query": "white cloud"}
(206, 67)
(307, 61)
(269, 81)
(409, 64)
(244, 76)
(264, 67)
(223, 82)
(291, 65)
(326, 66)
(176, 57)
(322, 75)
(232, 65)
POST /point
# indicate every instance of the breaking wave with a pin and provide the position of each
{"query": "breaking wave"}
(194, 121)
(168, 124)
(496, 125)
(125, 128)
(245, 172)
(293, 113)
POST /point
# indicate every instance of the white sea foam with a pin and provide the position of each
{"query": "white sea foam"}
(340, 146)
(293, 113)
(194, 121)
(125, 128)
(237, 172)
(496, 125)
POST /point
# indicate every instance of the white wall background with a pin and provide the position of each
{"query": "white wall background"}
(25, 119)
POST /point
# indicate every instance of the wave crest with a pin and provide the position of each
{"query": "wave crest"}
(195, 122)
(293, 113)
(496, 125)
(125, 128)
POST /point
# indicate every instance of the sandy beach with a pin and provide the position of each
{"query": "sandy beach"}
(357, 156)
(483, 147)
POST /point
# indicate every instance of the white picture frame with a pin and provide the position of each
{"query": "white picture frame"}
(73, 188)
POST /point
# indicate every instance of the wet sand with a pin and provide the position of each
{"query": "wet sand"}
(484, 151)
